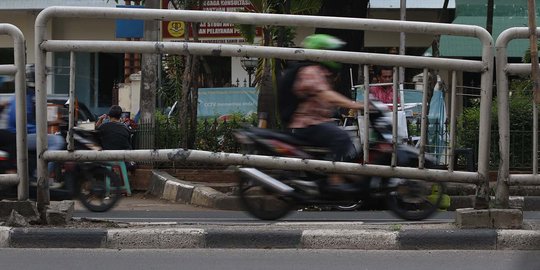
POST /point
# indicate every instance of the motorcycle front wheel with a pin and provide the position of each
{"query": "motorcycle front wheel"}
(99, 189)
(414, 199)
(262, 202)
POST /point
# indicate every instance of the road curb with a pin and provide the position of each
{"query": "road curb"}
(267, 238)
(56, 238)
(170, 238)
(481, 239)
(167, 187)
(518, 239)
(350, 239)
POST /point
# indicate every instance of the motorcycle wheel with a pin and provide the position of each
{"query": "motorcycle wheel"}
(414, 199)
(261, 202)
(93, 191)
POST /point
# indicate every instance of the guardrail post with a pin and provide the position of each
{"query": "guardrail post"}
(482, 194)
(503, 69)
(43, 196)
(481, 177)
(18, 69)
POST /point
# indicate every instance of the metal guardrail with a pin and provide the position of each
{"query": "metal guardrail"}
(503, 70)
(485, 67)
(18, 69)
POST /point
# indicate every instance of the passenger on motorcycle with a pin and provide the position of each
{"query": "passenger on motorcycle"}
(308, 103)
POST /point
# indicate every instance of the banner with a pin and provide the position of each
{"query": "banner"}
(215, 102)
(215, 32)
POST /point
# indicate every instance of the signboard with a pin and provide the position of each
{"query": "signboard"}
(208, 32)
(129, 28)
(227, 100)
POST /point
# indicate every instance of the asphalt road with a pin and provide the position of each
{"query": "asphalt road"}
(261, 259)
(141, 208)
(206, 216)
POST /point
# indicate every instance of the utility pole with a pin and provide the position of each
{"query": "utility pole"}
(149, 73)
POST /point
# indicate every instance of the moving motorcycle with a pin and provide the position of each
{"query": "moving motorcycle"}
(94, 184)
(272, 194)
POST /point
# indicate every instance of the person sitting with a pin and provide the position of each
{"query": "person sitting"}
(113, 134)
(384, 91)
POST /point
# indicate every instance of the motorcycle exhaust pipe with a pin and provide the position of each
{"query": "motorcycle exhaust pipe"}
(267, 180)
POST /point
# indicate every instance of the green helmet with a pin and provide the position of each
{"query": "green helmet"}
(324, 42)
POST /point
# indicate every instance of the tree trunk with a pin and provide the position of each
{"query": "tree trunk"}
(354, 38)
(149, 74)
(489, 17)
(188, 101)
(185, 102)
(195, 78)
(267, 99)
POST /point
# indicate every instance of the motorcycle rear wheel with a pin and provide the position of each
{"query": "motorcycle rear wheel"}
(414, 199)
(95, 194)
(262, 202)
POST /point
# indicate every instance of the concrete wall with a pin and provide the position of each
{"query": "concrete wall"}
(24, 20)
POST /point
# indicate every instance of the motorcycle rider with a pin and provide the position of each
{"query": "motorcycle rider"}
(55, 142)
(307, 102)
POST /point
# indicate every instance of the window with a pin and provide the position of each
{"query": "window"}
(96, 74)
(7, 83)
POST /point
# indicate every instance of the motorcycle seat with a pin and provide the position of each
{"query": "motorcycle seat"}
(281, 136)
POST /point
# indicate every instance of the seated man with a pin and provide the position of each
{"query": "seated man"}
(384, 90)
(114, 135)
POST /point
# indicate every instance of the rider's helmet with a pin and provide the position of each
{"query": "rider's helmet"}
(324, 42)
(30, 73)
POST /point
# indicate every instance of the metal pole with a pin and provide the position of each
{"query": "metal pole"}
(195, 48)
(283, 163)
(43, 196)
(504, 178)
(395, 93)
(453, 113)
(20, 110)
(424, 121)
(535, 138)
(366, 114)
(402, 36)
(267, 19)
(484, 136)
(72, 107)
(502, 192)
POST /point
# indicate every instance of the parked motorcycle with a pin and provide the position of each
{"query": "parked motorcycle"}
(94, 184)
(272, 194)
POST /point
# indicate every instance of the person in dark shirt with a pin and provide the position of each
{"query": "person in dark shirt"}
(114, 135)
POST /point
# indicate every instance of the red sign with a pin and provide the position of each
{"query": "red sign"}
(209, 32)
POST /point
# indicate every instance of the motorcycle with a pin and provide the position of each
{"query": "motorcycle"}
(272, 194)
(94, 184)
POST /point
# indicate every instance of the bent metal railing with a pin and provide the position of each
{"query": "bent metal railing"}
(503, 70)
(485, 67)
(17, 69)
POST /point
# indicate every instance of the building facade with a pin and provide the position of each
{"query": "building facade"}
(99, 74)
